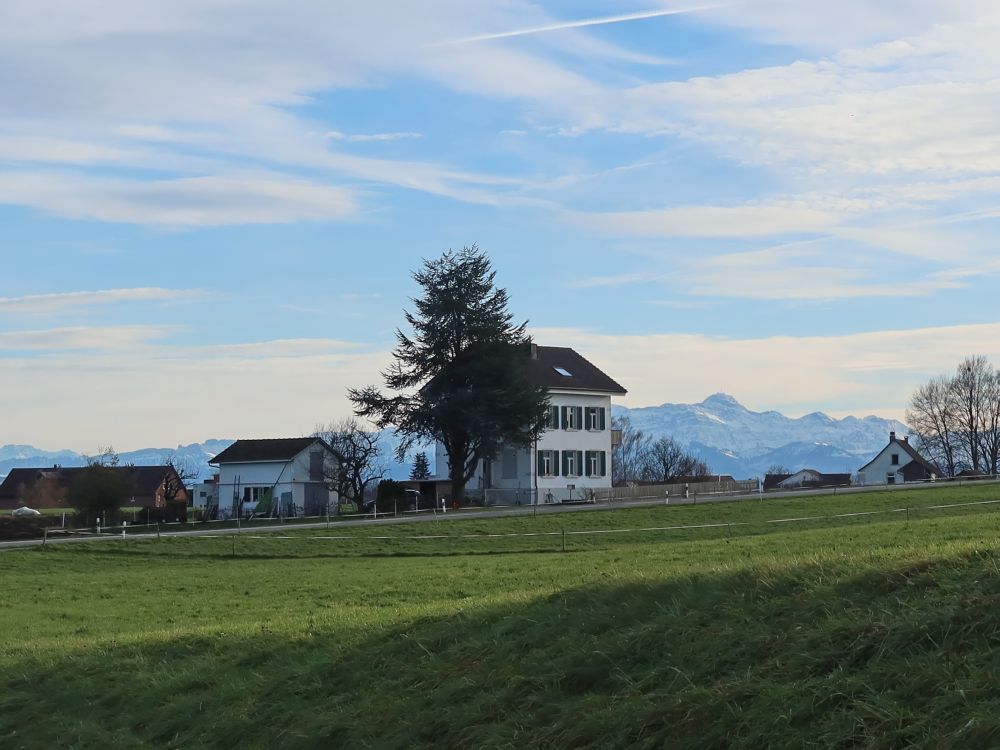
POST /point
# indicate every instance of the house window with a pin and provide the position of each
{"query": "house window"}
(552, 418)
(596, 463)
(890, 478)
(569, 461)
(572, 417)
(563, 371)
(548, 462)
(895, 459)
(595, 418)
(255, 494)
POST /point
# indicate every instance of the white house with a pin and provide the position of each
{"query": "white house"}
(897, 463)
(281, 477)
(573, 455)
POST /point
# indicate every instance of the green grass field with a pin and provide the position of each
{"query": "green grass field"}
(870, 631)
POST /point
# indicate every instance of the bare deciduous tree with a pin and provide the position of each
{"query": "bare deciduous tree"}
(185, 472)
(359, 457)
(626, 455)
(931, 416)
(957, 419)
(665, 460)
(637, 457)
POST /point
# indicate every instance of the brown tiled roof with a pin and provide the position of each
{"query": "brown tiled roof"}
(143, 481)
(278, 449)
(583, 375)
(912, 452)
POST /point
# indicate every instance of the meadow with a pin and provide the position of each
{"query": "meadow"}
(863, 631)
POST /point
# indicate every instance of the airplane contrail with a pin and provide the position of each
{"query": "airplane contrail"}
(578, 24)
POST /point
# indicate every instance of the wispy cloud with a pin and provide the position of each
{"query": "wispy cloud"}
(335, 135)
(61, 301)
(184, 202)
(100, 338)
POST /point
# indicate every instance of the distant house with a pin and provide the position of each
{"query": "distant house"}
(805, 479)
(51, 487)
(205, 494)
(573, 454)
(284, 476)
(897, 463)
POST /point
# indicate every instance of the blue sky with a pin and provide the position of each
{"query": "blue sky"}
(210, 209)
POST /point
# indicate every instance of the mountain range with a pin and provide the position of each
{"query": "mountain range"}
(730, 438)
(734, 440)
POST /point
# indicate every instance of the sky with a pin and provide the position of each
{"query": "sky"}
(210, 209)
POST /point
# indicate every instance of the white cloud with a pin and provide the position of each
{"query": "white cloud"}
(156, 393)
(183, 202)
(713, 221)
(99, 338)
(61, 301)
(336, 135)
(860, 373)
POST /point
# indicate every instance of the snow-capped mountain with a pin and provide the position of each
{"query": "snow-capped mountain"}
(734, 440)
(730, 438)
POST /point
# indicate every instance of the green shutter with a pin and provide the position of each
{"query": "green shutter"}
(580, 468)
(579, 417)
(603, 423)
(555, 463)
(555, 417)
(604, 463)
(565, 468)
(538, 463)
(564, 421)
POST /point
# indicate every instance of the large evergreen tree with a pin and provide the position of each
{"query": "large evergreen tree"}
(421, 467)
(459, 376)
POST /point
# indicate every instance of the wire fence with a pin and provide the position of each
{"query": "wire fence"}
(732, 528)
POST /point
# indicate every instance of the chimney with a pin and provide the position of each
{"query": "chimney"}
(892, 436)
(906, 439)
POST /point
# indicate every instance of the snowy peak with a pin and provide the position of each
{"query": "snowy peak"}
(735, 440)
(723, 401)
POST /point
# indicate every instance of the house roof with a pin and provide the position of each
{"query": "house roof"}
(908, 450)
(912, 452)
(278, 449)
(562, 368)
(143, 481)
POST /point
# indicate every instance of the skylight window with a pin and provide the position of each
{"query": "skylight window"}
(563, 371)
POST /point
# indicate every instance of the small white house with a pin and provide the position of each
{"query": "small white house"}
(573, 455)
(897, 463)
(284, 477)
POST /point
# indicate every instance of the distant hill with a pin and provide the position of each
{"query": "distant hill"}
(734, 440)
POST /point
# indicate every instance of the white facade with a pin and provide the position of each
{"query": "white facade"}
(294, 487)
(569, 458)
(887, 467)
